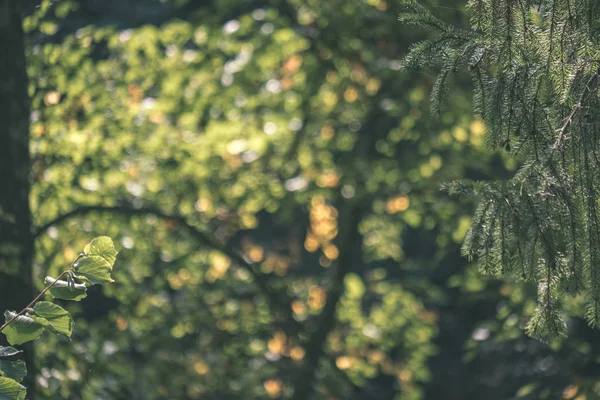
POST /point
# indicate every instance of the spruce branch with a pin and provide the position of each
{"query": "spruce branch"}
(569, 121)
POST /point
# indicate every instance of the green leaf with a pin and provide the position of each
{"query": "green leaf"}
(13, 369)
(62, 290)
(11, 389)
(23, 329)
(59, 319)
(96, 265)
(9, 351)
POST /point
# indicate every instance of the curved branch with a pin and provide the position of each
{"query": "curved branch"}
(276, 301)
(202, 237)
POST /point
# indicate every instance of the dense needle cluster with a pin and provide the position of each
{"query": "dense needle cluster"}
(535, 72)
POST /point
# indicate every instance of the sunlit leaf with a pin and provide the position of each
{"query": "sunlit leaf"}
(60, 320)
(23, 329)
(96, 265)
(11, 389)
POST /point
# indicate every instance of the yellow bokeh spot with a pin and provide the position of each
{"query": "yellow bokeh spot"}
(405, 375)
(256, 253)
(298, 308)
(203, 205)
(345, 362)
(382, 5)
(425, 170)
(68, 253)
(177, 331)
(51, 98)
(174, 281)
(316, 298)
(156, 117)
(328, 179)
(297, 353)
(184, 274)
(311, 244)
(477, 127)
(273, 387)
(351, 95)
(220, 265)
(397, 204)
(327, 132)
(200, 367)
(570, 391)
(122, 324)
(373, 86)
(277, 344)
(460, 134)
(376, 356)
(38, 130)
(249, 221)
(461, 230)
(330, 99)
(331, 251)
(435, 161)
(292, 64)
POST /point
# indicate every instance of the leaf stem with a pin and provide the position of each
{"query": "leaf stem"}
(39, 296)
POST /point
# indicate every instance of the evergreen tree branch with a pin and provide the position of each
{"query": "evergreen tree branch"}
(569, 121)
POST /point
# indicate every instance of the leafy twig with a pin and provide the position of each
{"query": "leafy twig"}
(39, 296)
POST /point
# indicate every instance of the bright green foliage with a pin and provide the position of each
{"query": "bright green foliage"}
(11, 370)
(59, 320)
(535, 72)
(23, 329)
(11, 373)
(247, 131)
(30, 323)
(96, 265)
(11, 389)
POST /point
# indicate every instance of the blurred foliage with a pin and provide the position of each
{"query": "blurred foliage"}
(254, 123)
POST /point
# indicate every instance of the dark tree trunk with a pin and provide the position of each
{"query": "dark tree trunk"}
(16, 240)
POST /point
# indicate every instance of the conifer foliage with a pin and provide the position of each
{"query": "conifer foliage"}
(535, 72)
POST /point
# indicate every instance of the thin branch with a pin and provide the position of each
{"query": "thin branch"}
(274, 300)
(30, 305)
(569, 121)
(242, 260)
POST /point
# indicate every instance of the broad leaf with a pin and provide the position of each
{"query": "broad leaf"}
(11, 389)
(59, 319)
(13, 369)
(23, 329)
(62, 290)
(96, 265)
(9, 351)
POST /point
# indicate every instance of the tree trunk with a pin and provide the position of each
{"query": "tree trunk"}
(16, 240)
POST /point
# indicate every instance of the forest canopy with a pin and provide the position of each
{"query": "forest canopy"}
(270, 173)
